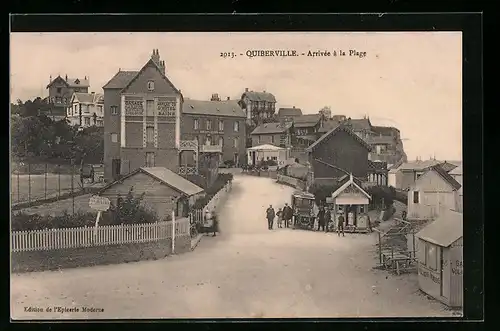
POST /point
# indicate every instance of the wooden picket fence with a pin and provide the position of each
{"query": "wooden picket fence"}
(52, 239)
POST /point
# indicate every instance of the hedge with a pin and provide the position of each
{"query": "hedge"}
(219, 183)
(129, 211)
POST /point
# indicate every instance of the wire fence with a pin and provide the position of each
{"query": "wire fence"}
(35, 182)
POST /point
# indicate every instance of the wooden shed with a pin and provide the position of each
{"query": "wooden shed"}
(164, 191)
(440, 258)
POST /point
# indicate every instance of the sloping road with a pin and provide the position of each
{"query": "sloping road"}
(246, 271)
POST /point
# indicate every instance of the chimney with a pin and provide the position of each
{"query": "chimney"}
(92, 92)
(85, 78)
(264, 91)
(228, 98)
(66, 77)
(246, 89)
(293, 107)
(50, 79)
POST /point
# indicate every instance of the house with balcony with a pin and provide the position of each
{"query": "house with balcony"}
(259, 107)
(60, 93)
(217, 127)
(307, 128)
(142, 120)
(86, 109)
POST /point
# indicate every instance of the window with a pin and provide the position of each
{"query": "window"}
(421, 252)
(236, 126)
(150, 159)
(431, 257)
(114, 110)
(150, 108)
(75, 109)
(58, 90)
(361, 209)
(86, 109)
(151, 85)
(236, 142)
(87, 121)
(272, 139)
(196, 124)
(221, 125)
(150, 134)
(114, 137)
(274, 158)
(209, 124)
(221, 141)
(416, 197)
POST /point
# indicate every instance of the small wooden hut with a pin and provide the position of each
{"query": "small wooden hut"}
(440, 258)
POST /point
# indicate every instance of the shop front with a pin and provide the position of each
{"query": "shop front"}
(351, 201)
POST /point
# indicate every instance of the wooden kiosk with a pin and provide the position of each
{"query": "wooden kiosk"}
(353, 201)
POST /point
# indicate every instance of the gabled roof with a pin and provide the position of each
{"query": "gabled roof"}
(71, 82)
(361, 124)
(58, 78)
(120, 80)
(457, 171)
(446, 176)
(229, 108)
(308, 118)
(269, 128)
(328, 125)
(446, 166)
(335, 131)
(419, 165)
(286, 112)
(88, 97)
(166, 177)
(259, 96)
(348, 183)
(445, 230)
(151, 62)
(265, 147)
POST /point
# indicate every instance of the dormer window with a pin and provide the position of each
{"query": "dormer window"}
(151, 85)
(77, 81)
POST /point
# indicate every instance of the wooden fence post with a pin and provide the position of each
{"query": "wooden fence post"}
(173, 232)
(380, 247)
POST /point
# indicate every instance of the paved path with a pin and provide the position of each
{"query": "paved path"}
(247, 271)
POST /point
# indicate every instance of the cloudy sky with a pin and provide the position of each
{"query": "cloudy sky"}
(409, 80)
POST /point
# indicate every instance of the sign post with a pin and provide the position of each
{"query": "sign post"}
(173, 232)
(100, 204)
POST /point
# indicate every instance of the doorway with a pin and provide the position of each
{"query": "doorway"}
(236, 159)
(115, 168)
(253, 158)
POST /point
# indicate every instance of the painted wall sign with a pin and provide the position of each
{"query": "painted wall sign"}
(430, 275)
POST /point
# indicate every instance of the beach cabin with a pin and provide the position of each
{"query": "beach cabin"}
(440, 258)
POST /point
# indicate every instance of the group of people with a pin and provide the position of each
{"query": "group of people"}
(285, 215)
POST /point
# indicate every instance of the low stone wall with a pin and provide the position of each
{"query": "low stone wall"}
(98, 255)
(294, 182)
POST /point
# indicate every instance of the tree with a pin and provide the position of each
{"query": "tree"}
(321, 192)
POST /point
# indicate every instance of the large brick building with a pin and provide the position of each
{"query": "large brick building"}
(142, 111)
(217, 126)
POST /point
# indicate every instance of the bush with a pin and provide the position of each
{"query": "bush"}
(229, 163)
(382, 196)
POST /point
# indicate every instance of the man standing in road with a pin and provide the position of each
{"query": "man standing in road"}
(270, 214)
(340, 224)
(321, 218)
(328, 218)
(287, 214)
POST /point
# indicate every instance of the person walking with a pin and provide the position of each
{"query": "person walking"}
(279, 214)
(215, 223)
(287, 215)
(328, 218)
(270, 214)
(321, 218)
(340, 224)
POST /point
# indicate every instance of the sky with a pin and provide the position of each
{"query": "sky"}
(411, 80)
